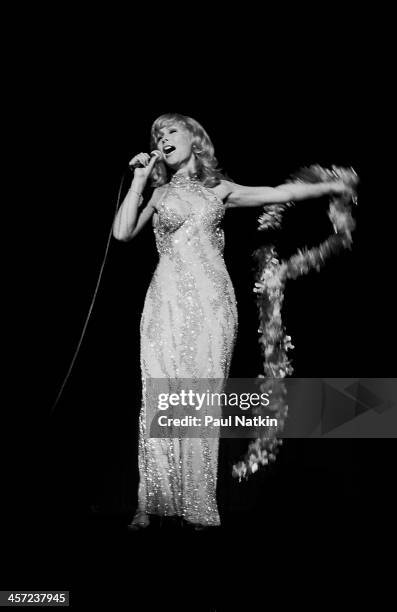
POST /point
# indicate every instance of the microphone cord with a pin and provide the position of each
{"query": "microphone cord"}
(92, 301)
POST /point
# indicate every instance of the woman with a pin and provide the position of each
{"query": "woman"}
(189, 320)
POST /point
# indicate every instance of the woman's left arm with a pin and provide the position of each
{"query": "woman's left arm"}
(238, 195)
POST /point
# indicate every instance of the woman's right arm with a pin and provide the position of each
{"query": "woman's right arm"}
(128, 223)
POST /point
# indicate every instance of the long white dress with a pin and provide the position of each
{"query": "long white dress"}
(188, 330)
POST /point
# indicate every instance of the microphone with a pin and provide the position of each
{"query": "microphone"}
(137, 164)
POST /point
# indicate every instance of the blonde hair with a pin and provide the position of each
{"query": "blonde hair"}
(207, 170)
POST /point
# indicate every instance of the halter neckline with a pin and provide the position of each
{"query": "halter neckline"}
(184, 179)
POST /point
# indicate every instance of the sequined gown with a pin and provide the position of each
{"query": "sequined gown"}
(188, 330)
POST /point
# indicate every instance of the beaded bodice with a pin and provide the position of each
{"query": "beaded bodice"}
(188, 219)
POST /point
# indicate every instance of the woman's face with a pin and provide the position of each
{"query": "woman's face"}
(175, 143)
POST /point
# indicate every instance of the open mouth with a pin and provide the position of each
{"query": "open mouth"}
(168, 149)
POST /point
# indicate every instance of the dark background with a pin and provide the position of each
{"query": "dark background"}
(89, 113)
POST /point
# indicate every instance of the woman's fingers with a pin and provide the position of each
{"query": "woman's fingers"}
(142, 164)
(152, 161)
(141, 158)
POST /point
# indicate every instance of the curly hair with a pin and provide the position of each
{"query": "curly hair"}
(207, 170)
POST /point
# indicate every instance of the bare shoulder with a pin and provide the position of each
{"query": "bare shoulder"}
(223, 189)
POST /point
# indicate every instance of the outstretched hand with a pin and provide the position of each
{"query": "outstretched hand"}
(350, 180)
(346, 190)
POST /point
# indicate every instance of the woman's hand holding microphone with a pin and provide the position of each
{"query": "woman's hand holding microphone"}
(142, 164)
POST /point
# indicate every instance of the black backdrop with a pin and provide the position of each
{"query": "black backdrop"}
(91, 118)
